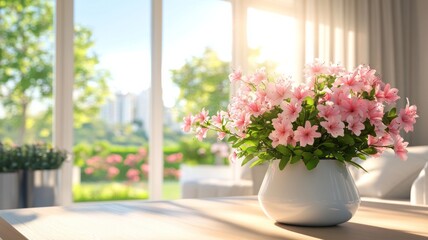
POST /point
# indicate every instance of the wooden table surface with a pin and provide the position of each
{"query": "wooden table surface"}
(216, 218)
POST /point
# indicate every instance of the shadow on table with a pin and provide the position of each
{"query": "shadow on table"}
(351, 230)
(14, 218)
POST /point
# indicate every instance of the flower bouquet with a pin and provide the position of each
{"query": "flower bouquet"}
(335, 114)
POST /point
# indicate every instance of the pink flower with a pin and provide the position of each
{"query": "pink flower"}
(233, 156)
(236, 75)
(114, 159)
(243, 120)
(315, 68)
(282, 130)
(276, 93)
(188, 121)
(350, 82)
(174, 158)
(334, 127)
(306, 135)
(300, 93)
(89, 170)
(353, 107)
(336, 69)
(131, 160)
(112, 172)
(255, 109)
(328, 111)
(145, 168)
(217, 120)
(142, 153)
(407, 117)
(133, 175)
(202, 116)
(201, 133)
(355, 125)
(400, 147)
(291, 110)
(389, 95)
(259, 76)
(221, 135)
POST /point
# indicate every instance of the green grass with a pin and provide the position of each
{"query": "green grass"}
(114, 191)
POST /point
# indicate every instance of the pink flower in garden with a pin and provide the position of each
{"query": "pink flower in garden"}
(355, 125)
(114, 159)
(188, 121)
(93, 161)
(174, 158)
(112, 172)
(291, 110)
(400, 147)
(133, 175)
(328, 111)
(142, 153)
(201, 133)
(407, 117)
(334, 127)
(306, 135)
(89, 171)
(145, 168)
(236, 75)
(202, 116)
(131, 160)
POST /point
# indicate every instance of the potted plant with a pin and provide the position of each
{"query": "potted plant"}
(40, 165)
(307, 132)
(8, 177)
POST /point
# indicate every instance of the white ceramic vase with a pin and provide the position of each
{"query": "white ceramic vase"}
(324, 196)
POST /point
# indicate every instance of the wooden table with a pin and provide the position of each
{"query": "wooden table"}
(216, 218)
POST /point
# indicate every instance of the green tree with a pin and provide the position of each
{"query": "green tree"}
(203, 82)
(26, 59)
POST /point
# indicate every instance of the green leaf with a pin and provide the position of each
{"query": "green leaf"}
(247, 159)
(370, 150)
(318, 152)
(361, 156)
(309, 101)
(392, 112)
(295, 159)
(347, 139)
(298, 152)
(307, 156)
(232, 139)
(283, 149)
(252, 149)
(312, 163)
(257, 162)
(357, 165)
(328, 144)
(338, 156)
(283, 162)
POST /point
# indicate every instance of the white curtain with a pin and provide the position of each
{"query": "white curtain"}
(379, 33)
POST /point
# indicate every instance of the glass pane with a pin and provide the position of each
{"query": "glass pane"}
(111, 92)
(196, 62)
(271, 40)
(26, 59)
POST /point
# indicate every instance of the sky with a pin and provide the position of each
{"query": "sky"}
(121, 31)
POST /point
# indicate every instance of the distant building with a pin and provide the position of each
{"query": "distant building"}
(125, 108)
